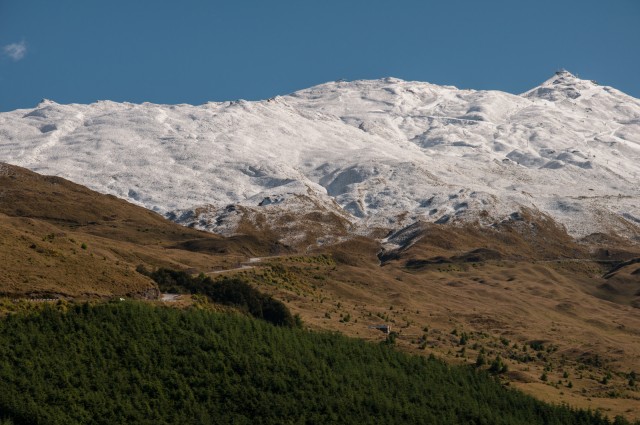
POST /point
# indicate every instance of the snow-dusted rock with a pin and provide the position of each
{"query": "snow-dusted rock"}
(381, 153)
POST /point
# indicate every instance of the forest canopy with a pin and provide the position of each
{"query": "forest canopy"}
(131, 362)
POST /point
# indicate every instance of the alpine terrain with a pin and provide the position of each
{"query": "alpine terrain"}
(380, 154)
(489, 229)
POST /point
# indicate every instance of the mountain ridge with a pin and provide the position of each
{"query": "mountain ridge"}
(373, 154)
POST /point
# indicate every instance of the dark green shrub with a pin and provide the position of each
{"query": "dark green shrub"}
(228, 291)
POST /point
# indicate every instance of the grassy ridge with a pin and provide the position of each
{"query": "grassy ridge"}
(136, 363)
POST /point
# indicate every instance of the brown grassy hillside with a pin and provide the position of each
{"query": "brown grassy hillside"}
(59, 238)
(522, 289)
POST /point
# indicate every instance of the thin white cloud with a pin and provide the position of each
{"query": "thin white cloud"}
(15, 51)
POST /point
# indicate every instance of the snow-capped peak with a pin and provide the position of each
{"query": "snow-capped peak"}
(46, 102)
(562, 85)
(382, 153)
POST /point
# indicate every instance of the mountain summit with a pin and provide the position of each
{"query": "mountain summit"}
(563, 85)
(367, 154)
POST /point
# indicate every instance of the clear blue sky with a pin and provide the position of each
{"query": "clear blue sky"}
(195, 51)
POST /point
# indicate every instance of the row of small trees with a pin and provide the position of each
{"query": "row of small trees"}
(228, 291)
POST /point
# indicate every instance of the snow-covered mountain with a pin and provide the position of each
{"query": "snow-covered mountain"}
(373, 154)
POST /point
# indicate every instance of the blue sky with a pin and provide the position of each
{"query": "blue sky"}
(195, 51)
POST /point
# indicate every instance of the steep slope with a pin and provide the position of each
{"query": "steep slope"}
(61, 239)
(365, 155)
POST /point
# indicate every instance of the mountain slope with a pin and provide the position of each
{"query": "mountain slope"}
(378, 154)
(61, 239)
(506, 282)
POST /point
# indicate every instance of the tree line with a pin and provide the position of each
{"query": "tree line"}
(228, 291)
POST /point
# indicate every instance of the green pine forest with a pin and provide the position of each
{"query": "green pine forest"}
(138, 363)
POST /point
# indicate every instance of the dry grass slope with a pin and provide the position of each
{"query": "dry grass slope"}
(522, 289)
(62, 239)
